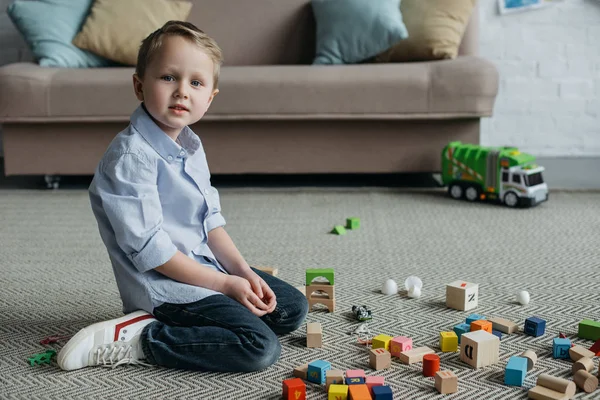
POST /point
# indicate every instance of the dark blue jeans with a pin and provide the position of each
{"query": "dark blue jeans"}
(219, 334)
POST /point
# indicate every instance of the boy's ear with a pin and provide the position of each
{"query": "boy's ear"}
(212, 96)
(138, 87)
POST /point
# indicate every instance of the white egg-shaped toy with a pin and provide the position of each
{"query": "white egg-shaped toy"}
(414, 292)
(523, 297)
(413, 281)
(390, 287)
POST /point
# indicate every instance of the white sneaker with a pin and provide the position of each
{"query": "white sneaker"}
(108, 343)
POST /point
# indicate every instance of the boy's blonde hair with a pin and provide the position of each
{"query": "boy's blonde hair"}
(153, 42)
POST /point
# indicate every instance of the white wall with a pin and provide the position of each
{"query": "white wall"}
(549, 63)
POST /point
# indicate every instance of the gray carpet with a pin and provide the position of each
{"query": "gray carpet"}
(55, 278)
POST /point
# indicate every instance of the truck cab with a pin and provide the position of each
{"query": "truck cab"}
(523, 185)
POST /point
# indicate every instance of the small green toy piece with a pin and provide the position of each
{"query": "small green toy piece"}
(42, 358)
(339, 230)
(313, 273)
(352, 223)
(589, 329)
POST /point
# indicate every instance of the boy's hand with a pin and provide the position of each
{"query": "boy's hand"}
(261, 289)
(241, 290)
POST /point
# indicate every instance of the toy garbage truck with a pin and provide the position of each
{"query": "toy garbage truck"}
(503, 174)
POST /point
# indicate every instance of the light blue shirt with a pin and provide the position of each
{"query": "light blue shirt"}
(152, 196)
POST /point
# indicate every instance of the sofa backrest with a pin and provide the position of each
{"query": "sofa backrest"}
(273, 32)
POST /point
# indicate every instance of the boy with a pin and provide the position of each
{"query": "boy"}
(192, 300)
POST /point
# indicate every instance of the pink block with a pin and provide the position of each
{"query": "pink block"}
(400, 344)
(374, 381)
(355, 373)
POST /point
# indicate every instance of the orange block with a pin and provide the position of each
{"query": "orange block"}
(431, 364)
(481, 325)
(359, 392)
(294, 389)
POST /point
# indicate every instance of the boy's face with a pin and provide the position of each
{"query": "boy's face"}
(177, 87)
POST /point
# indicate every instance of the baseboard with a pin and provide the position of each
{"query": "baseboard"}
(581, 173)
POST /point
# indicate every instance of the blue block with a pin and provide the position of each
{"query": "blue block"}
(460, 329)
(355, 381)
(516, 369)
(382, 393)
(497, 333)
(560, 348)
(474, 317)
(317, 371)
(535, 326)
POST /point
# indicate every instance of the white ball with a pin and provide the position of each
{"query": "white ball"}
(413, 281)
(389, 287)
(523, 297)
(414, 292)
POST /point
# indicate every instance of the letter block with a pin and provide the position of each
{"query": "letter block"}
(446, 382)
(515, 372)
(294, 389)
(381, 341)
(560, 348)
(535, 326)
(481, 325)
(359, 392)
(474, 317)
(317, 371)
(400, 344)
(462, 295)
(380, 359)
(479, 349)
(460, 329)
(337, 392)
(334, 377)
(448, 341)
(383, 393)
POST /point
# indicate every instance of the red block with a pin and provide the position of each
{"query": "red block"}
(596, 348)
(294, 389)
(431, 364)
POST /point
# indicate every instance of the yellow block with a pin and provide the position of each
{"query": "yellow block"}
(381, 341)
(448, 341)
(338, 392)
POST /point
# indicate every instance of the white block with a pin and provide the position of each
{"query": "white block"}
(462, 295)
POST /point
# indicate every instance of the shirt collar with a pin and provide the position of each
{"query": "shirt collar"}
(160, 141)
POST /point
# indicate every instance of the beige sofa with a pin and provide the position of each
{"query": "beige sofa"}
(276, 113)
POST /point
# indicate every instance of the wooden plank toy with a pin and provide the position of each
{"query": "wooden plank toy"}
(415, 355)
(531, 357)
(585, 381)
(589, 330)
(380, 358)
(481, 325)
(550, 387)
(446, 382)
(535, 326)
(431, 364)
(269, 270)
(381, 341)
(294, 389)
(383, 393)
(359, 392)
(317, 370)
(515, 371)
(448, 341)
(400, 344)
(337, 392)
(479, 349)
(462, 295)
(333, 377)
(576, 352)
(504, 325)
(314, 335)
(584, 363)
(301, 371)
(560, 348)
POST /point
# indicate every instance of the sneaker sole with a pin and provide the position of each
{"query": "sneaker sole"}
(66, 351)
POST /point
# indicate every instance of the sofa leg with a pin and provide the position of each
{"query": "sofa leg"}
(52, 181)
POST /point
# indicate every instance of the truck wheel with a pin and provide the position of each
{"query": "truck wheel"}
(511, 199)
(472, 193)
(455, 191)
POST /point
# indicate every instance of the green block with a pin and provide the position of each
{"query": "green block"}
(339, 230)
(313, 273)
(589, 329)
(352, 223)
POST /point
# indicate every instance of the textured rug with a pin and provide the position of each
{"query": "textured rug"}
(55, 278)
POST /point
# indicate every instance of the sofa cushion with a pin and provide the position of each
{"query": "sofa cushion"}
(463, 87)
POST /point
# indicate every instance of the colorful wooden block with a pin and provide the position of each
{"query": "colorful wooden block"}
(400, 344)
(294, 389)
(327, 273)
(431, 364)
(415, 355)
(301, 371)
(339, 230)
(462, 295)
(383, 393)
(352, 223)
(448, 341)
(504, 325)
(337, 392)
(596, 348)
(317, 371)
(355, 373)
(515, 371)
(373, 381)
(481, 325)
(446, 382)
(479, 349)
(576, 352)
(357, 380)
(535, 326)
(560, 348)
(460, 329)
(589, 329)
(314, 335)
(497, 333)
(381, 341)
(474, 317)
(359, 392)
(333, 377)
(380, 358)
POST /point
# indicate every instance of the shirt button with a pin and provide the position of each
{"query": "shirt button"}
(170, 158)
(182, 153)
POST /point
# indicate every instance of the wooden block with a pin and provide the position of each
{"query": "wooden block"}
(380, 358)
(269, 270)
(560, 348)
(324, 273)
(356, 373)
(334, 377)
(504, 325)
(294, 389)
(446, 382)
(329, 303)
(400, 344)
(373, 381)
(543, 393)
(479, 348)
(589, 329)
(576, 352)
(314, 335)
(383, 392)
(585, 381)
(584, 363)
(300, 372)
(557, 384)
(337, 392)
(534, 326)
(448, 341)
(531, 358)
(381, 341)
(596, 348)
(481, 325)
(317, 371)
(415, 355)
(318, 291)
(359, 392)
(515, 371)
(462, 295)
(431, 364)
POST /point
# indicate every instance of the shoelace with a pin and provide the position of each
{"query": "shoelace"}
(117, 355)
